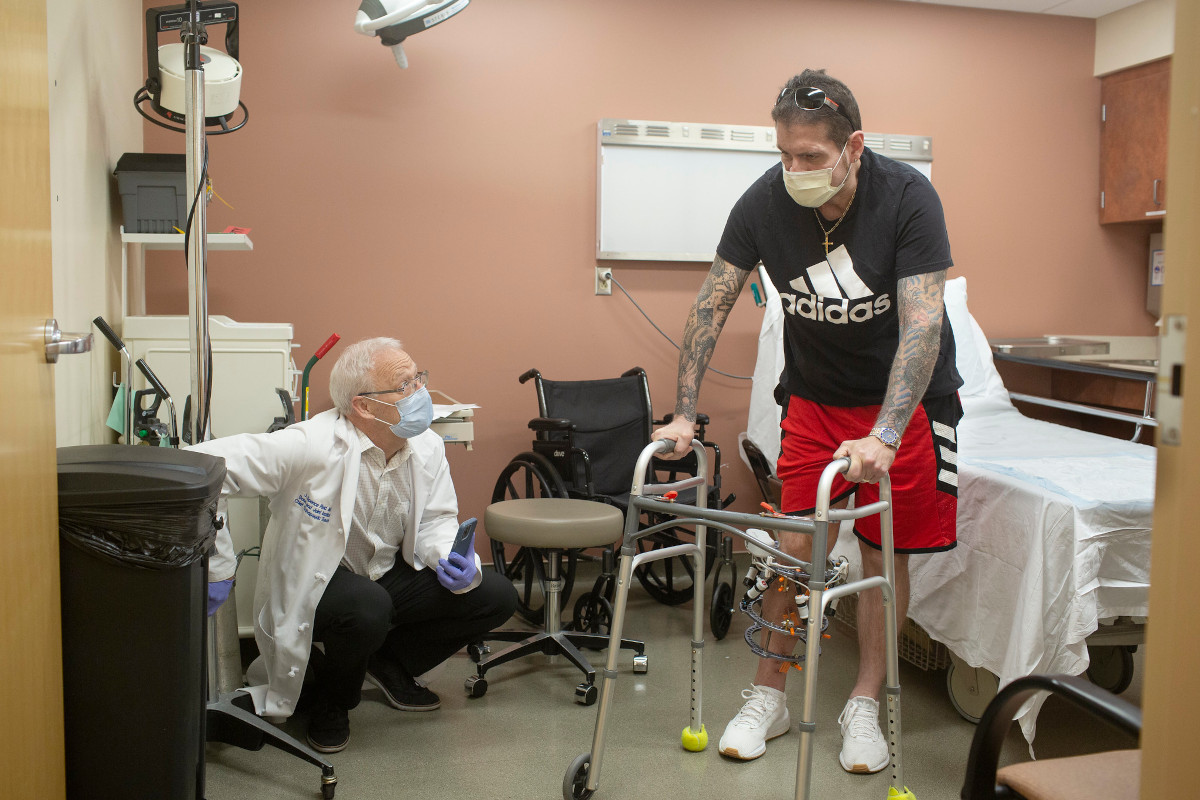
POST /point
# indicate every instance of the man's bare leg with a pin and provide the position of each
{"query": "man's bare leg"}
(872, 666)
(864, 748)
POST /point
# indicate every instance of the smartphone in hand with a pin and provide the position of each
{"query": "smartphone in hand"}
(466, 534)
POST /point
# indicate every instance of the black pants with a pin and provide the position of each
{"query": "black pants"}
(407, 616)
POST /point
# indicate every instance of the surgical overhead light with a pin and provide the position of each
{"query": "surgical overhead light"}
(393, 21)
(167, 67)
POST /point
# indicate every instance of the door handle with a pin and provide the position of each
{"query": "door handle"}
(1157, 181)
(58, 342)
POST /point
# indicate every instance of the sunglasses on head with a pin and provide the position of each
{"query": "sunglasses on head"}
(808, 98)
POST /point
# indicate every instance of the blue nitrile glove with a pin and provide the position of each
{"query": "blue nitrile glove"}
(456, 572)
(218, 593)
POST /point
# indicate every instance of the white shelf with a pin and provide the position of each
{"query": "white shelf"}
(174, 241)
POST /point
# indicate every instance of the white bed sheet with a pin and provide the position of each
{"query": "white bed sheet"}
(1053, 539)
(1053, 522)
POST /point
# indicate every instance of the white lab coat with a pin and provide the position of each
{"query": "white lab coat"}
(309, 473)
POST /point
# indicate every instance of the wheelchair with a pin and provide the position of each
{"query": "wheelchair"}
(586, 444)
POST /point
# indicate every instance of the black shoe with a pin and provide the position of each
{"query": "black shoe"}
(328, 728)
(401, 689)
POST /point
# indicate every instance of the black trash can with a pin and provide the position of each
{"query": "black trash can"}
(135, 525)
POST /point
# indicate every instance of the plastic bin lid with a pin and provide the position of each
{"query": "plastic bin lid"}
(112, 474)
(151, 162)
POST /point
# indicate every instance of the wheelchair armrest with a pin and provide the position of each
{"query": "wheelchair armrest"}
(980, 781)
(542, 424)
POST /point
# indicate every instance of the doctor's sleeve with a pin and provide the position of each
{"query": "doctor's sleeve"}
(439, 521)
(256, 465)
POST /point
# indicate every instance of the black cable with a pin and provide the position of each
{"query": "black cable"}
(668, 338)
(143, 94)
(201, 424)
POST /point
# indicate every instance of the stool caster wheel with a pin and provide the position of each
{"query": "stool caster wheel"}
(575, 782)
(586, 694)
(641, 665)
(476, 652)
(476, 686)
(328, 783)
(327, 791)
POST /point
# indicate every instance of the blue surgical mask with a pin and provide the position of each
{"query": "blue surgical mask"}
(416, 412)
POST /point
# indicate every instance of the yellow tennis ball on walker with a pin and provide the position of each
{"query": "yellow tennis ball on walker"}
(895, 794)
(693, 741)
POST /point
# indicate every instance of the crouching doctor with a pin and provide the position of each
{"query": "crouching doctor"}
(357, 554)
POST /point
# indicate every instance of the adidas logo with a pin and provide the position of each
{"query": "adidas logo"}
(831, 291)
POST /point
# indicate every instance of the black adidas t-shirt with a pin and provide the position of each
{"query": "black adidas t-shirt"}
(841, 326)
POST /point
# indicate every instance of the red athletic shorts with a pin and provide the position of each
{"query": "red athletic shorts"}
(924, 474)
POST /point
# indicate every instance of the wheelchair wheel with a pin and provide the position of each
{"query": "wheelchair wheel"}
(721, 614)
(593, 614)
(670, 581)
(530, 475)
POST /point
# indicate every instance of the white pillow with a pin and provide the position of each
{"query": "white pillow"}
(982, 391)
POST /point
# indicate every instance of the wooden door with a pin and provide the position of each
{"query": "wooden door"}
(31, 738)
(1133, 143)
(1170, 736)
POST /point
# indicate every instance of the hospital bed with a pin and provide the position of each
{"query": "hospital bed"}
(1054, 530)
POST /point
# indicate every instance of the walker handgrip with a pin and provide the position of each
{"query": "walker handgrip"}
(825, 485)
(663, 446)
(151, 378)
(329, 343)
(109, 333)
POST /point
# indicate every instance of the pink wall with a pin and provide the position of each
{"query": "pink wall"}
(453, 204)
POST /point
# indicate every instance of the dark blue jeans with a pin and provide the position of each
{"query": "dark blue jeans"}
(406, 616)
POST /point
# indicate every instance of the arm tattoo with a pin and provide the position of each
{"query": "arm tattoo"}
(921, 313)
(717, 296)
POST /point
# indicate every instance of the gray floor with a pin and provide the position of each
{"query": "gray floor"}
(519, 739)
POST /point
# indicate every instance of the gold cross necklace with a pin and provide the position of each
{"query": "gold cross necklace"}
(817, 214)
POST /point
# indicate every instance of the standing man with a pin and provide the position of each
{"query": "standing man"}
(357, 554)
(856, 244)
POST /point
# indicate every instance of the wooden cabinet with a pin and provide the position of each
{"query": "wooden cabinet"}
(1133, 143)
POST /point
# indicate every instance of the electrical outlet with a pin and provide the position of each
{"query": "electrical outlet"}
(603, 280)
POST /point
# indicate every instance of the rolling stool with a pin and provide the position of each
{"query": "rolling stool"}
(553, 525)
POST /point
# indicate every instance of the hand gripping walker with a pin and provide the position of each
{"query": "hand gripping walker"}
(814, 591)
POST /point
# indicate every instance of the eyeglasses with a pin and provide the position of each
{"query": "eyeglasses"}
(809, 99)
(411, 385)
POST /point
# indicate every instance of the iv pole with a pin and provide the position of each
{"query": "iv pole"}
(194, 35)
(227, 719)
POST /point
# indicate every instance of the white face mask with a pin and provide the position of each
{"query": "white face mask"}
(814, 188)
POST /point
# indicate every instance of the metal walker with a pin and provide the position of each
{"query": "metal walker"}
(583, 775)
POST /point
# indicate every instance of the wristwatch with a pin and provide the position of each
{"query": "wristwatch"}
(887, 435)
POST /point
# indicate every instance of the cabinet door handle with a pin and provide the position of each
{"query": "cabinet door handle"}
(1157, 181)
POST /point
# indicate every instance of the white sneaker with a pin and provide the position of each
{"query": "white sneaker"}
(863, 746)
(763, 717)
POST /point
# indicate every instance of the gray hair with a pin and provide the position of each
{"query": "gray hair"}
(352, 373)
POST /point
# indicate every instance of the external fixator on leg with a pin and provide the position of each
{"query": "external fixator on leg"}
(766, 574)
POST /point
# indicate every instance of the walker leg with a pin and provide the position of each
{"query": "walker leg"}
(891, 635)
(694, 736)
(898, 790)
(807, 725)
(608, 678)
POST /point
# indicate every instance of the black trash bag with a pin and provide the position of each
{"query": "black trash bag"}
(143, 507)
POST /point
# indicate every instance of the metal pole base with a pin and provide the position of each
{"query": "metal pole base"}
(231, 719)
